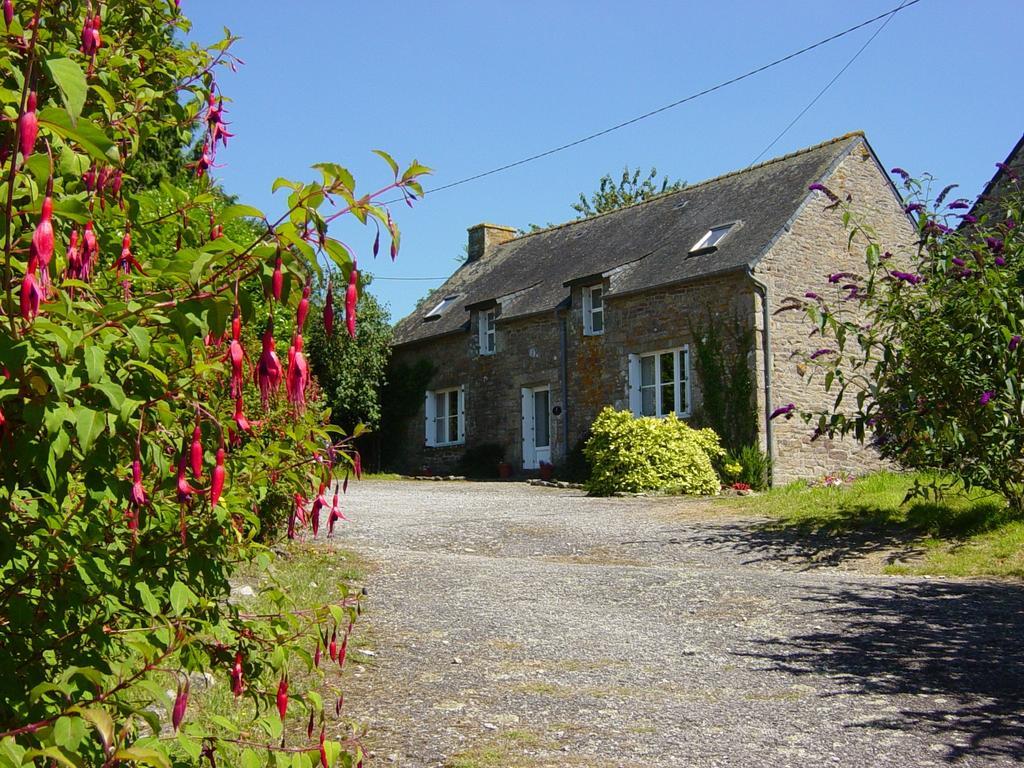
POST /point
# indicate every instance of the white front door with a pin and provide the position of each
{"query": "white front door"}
(536, 426)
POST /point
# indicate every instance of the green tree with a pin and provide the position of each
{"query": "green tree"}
(922, 351)
(631, 188)
(350, 372)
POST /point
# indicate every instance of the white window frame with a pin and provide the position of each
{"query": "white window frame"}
(682, 386)
(589, 311)
(431, 417)
(704, 242)
(487, 331)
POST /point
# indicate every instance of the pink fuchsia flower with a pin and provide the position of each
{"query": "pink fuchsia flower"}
(42, 242)
(329, 311)
(269, 372)
(986, 397)
(237, 681)
(351, 300)
(180, 703)
(28, 125)
(77, 268)
(31, 293)
(184, 489)
(277, 279)
(297, 377)
(1014, 342)
(196, 452)
(218, 478)
(90, 246)
(8, 13)
(239, 417)
(137, 496)
(303, 309)
(785, 410)
(282, 697)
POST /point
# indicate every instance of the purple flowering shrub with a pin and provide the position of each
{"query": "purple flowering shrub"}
(922, 354)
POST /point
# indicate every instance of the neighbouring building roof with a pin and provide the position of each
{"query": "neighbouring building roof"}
(1012, 167)
(637, 248)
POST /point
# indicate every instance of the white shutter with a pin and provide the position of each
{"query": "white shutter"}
(428, 418)
(633, 384)
(529, 451)
(588, 309)
(462, 413)
(684, 359)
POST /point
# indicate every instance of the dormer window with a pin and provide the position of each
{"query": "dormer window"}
(710, 241)
(440, 307)
(487, 319)
(593, 310)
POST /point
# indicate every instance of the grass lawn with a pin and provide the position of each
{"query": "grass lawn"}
(312, 575)
(961, 535)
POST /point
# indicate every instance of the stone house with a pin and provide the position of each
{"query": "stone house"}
(1009, 173)
(535, 333)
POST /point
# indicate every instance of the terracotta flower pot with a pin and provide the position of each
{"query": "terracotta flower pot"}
(504, 470)
(547, 471)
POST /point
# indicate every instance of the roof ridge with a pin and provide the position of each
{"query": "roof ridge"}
(689, 187)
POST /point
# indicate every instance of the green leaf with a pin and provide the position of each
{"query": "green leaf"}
(233, 212)
(85, 134)
(94, 359)
(113, 392)
(143, 755)
(88, 424)
(181, 597)
(149, 602)
(58, 754)
(141, 338)
(390, 160)
(70, 79)
(283, 182)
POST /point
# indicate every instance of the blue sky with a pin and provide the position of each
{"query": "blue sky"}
(467, 86)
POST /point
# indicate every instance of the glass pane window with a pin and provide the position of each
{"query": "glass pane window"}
(662, 383)
(440, 422)
(487, 332)
(594, 310)
(712, 237)
(541, 418)
(648, 386)
(447, 419)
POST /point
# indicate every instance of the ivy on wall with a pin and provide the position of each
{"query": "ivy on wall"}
(722, 357)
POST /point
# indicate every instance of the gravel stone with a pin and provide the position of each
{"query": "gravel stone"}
(664, 632)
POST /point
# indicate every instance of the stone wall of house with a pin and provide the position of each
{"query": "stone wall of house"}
(528, 354)
(800, 261)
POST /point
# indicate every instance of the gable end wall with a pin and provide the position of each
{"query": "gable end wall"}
(800, 261)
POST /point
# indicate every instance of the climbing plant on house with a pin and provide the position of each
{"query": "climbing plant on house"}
(148, 407)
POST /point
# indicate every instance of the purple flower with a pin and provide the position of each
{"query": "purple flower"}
(969, 219)
(1000, 261)
(821, 352)
(785, 410)
(900, 172)
(835, 277)
(1010, 223)
(913, 208)
(959, 205)
(959, 262)
(811, 295)
(936, 228)
(994, 244)
(906, 277)
(1015, 342)
(885, 256)
(945, 191)
(817, 187)
(1007, 170)
(985, 397)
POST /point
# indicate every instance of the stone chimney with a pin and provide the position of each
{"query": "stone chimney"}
(484, 237)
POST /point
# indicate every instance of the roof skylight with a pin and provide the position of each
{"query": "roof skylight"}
(440, 307)
(714, 236)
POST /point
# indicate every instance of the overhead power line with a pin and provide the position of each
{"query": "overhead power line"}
(831, 82)
(618, 126)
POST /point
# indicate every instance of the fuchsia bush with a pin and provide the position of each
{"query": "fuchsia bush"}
(147, 412)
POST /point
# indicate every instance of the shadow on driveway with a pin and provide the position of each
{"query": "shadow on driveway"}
(962, 642)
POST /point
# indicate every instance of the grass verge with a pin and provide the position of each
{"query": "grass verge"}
(962, 534)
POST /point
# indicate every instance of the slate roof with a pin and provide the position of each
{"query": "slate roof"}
(638, 248)
(997, 185)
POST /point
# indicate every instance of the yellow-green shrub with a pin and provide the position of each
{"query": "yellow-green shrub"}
(644, 454)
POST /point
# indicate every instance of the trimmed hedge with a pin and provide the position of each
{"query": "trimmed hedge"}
(634, 454)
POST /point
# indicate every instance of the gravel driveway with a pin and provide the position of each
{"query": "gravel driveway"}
(524, 626)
